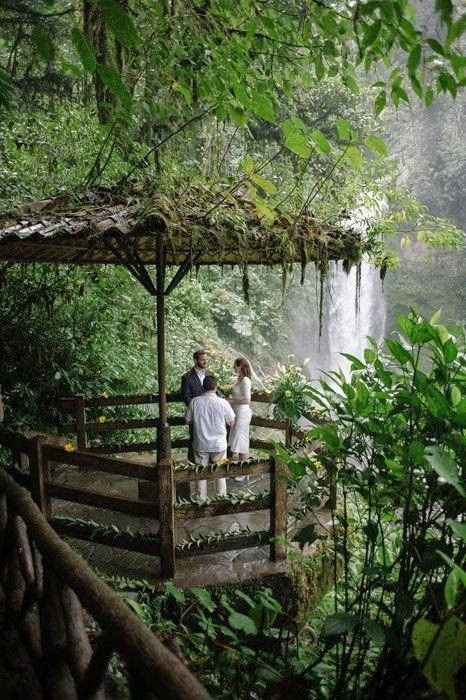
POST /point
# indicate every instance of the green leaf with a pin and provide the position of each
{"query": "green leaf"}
(242, 622)
(443, 463)
(43, 43)
(262, 105)
(450, 350)
(322, 145)
(448, 83)
(84, 49)
(380, 102)
(458, 528)
(451, 589)
(120, 23)
(354, 156)
(266, 185)
(113, 81)
(355, 361)
(442, 651)
(295, 140)
(457, 29)
(174, 592)
(344, 129)
(371, 34)
(238, 116)
(436, 46)
(460, 413)
(376, 144)
(248, 165)
(204, 597)
(370, 356)
(429, 97)
(414, 59)
(135, 606)
(445, 9)
(398, 351)
(455, 395)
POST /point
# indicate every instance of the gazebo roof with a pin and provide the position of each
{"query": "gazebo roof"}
(207, 228)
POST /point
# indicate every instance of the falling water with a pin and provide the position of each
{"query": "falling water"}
(354, 308)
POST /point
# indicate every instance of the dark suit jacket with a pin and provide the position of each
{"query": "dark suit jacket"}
(191, 386)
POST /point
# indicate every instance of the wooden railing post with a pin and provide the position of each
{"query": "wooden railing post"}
(81, 423)
(278, 509)
(40, 474)
(166, 504)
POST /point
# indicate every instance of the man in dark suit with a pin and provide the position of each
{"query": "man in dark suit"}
(191, 382)
(191, 386)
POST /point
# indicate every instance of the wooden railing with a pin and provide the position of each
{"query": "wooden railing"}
(77, 407)
(162, 507)
(46, 587)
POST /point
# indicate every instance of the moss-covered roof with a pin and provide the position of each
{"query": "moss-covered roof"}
(209, 228)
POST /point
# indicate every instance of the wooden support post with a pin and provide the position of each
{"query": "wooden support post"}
(289, 434)
(40, 473)
(164, 460)
(278, 510)
(81, 423)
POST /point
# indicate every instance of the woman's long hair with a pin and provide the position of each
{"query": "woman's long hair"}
(244, 367)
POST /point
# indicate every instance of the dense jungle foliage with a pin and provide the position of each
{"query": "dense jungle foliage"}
(290, 104)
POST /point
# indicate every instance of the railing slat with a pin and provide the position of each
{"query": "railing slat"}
(241, 469)
(91, 462)
(210, 510)
(121, 541)
(129, 506)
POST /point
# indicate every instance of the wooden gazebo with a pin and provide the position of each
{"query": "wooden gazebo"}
(191, 229)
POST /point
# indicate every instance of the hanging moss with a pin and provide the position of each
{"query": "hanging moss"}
(357, 294)
(303, 262)
(347, 265)
(323, 269)
(245, 280)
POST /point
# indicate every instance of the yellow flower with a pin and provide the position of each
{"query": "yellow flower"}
(69, 447)
(101, 419)
(104, 395)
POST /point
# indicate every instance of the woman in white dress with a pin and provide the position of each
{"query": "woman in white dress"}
(241, 403)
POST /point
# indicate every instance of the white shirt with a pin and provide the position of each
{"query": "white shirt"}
(210, 415)
(201, 373)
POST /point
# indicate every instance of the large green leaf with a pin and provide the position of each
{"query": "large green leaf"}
(84, 49)
(398, 351)
(113, 81)
(321, 142)
(376, 144)
(443, 463)
(442, 651)
(242, 622)
(262, 105)
(120, 23)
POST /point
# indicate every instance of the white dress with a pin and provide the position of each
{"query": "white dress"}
(239, 434)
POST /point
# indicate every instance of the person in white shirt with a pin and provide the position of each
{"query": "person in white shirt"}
(210, 415)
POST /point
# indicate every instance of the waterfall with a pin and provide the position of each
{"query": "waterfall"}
(354, 308)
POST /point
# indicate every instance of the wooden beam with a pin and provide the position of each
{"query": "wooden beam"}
(146, 509)
(209, 510)
(255, 539)
(92, 462)
(240, 469)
